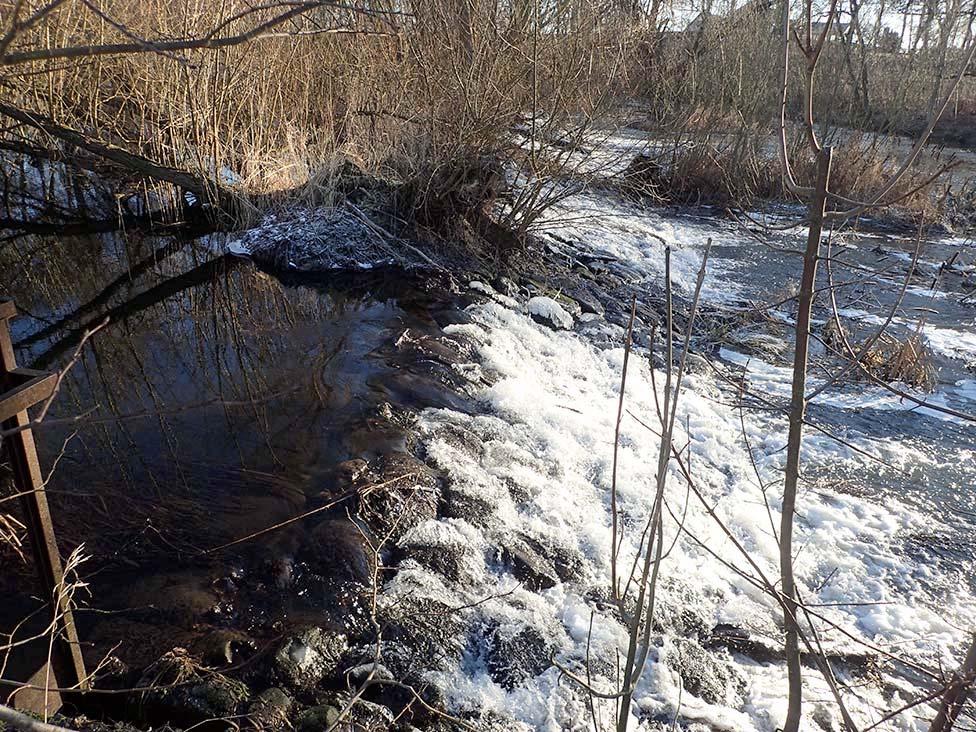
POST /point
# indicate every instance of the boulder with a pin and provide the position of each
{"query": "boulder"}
(309, 656)
(337, 549)
(222, 647)
(539, 563)
(403, 493)
(709, 676)
(516, 653)
(269, 711)
(421, 632)
(317, 719)
(185, 695)
(448, 547)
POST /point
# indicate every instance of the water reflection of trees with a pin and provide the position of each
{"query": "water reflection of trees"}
(208, 399)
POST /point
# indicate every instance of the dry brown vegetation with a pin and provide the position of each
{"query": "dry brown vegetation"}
(907, 361)
(415, 92)
(404, 92)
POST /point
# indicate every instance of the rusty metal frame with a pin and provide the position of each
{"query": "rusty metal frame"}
(22, 389)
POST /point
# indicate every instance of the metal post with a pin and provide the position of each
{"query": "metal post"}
(19, 390)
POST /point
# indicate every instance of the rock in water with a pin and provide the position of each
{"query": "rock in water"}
(309, 656)
(547, 311)
(514, 655)
(338, 549)
(270, 710)
(706, 675)
(316, 719)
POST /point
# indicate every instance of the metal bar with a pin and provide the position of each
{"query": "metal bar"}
(30, 482)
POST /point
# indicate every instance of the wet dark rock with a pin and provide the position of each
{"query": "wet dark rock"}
(451, 316)
(403, 493)
(378, 434)
(740, 640)
(338, 549)
(461, 438)
(348, 473)
(585, 296)
(136, 643)
(539, 564)
(316, 719)
(471, 506)
(444, 547)
(413, 345)
(421, 633)
(680, 610)
(518, 492)
(270, 709)
(708, 676)
(488, 720)
(309, 656)
(529, 567)
(183, 598)
(514, 654)
(185, 695)
(222, 647)
(505, 286)
(367, 716)
(433, 388)
(358, 675)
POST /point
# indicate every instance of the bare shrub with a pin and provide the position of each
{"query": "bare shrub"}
(405, 90)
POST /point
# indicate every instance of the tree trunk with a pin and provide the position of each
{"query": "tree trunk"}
(955, 696)
(798, 404)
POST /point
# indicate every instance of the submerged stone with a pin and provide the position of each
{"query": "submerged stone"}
(338, 549)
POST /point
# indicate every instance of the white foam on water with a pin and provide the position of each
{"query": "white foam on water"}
(548, 432)
(629, 233)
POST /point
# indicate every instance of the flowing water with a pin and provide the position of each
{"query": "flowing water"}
(219, 400)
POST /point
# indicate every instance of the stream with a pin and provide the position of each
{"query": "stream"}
(222, 399)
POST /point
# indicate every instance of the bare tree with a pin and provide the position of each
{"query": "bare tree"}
(821, 206)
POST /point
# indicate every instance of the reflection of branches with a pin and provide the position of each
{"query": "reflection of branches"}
(105, 294)
(140, 302)
(46, 405)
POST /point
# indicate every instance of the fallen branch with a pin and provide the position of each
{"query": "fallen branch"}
(20, 721)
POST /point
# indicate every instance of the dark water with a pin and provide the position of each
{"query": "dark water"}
(215, 402)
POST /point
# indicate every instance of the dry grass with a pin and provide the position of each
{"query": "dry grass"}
(741, 169)
(907, 361)
(413, 92)
(401, 95)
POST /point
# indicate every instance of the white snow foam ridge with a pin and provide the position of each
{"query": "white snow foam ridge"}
(539, 461)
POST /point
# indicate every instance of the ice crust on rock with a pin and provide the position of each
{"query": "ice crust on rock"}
(546, 310)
